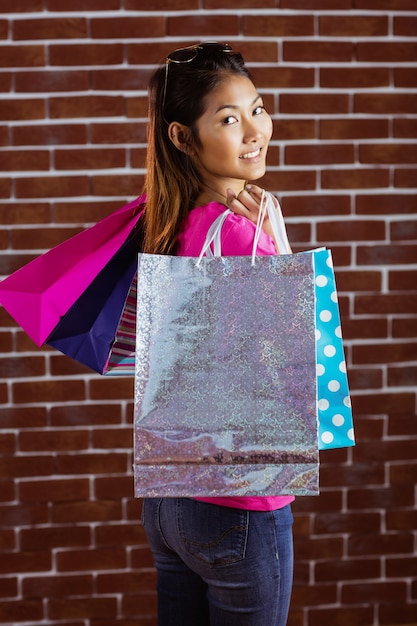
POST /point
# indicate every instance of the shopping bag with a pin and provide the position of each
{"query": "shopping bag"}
(335, 421)
(334, 411)
(87, 331)
(225, 380)
(39, 294)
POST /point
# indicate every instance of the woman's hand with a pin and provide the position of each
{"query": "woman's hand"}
(248, 204)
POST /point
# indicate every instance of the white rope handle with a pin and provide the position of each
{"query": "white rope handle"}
(267, 207)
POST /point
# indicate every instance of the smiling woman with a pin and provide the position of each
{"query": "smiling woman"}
(222, 560)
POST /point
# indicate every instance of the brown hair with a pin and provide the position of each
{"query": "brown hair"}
(172, 183)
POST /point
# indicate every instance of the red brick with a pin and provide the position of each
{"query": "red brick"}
(5, 81)
(117, 185)
(54, 537)
(5, 188)
(311, 103)
(137, 157)
(33, 213)
(21, 6)
(31, 82)
(404, 327)
(405, 77)
(7, 491)
(405, 128)
(54, 490)
(110, 463)
(361, 378)
(53, 28)
(363, 178)
(402, 376)
(8, 587)
(393, 497)
(353, 26)
(86, 54)
(204, 25)
(123, 133)
(286, 180)
(402, 279)
(356, 616)
(274, 25)
(319, 154)
(399, 425)
(386, 203)
(22, 56)
(298, 233)
(401, 567)
(347, 570)
(18, 367)
(377, 404)
(52, 186)
(317, 51)
(22, 109)
(405, 178)
(388, 153)
(405, 26)
(315, 204)
(16, 466)
(127, 535)
(310, 549)
(385, 103)
(158, 5)
(128, 27)
(374, 592)
(351, 231)
(403, 231)
(24, 514)
(346, 523)
(283, 77)
(12, 562)
(384, 353)
(49, 134)
(114, 487)
(293, 129)
(86, 511)
(112, 438)
(387, 255)
(55, 586)
(136, 107)
(356, 281)
(31, 441)
(78, 608)
(121, 80)
(85, 415)
(83, 5)
(313, 595)
(383, 52)
(24, 160)
(13, 612)
(372, 544)
(395, 5)
(353, 128)
(86, 106)
(328, 501)
(85, 560)
(403, 474)
(89, 159)
(389, 613)
(401, 519)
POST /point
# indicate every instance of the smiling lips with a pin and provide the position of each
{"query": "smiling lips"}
(251, 155)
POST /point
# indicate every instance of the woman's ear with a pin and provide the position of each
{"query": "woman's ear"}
(180, 136)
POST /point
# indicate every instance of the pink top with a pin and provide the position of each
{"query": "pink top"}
(236, 239)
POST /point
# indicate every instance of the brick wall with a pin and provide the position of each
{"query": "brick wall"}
(340, 78)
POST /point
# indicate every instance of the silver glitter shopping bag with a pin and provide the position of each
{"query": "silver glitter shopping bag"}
(225, 382)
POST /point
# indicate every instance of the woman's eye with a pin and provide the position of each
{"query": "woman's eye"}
(259, 109)
(230, 119)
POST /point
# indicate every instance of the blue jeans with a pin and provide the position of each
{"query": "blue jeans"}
(218, 566)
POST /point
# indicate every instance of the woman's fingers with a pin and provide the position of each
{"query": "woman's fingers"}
(246, 203)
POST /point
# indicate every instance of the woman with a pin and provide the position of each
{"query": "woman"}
(219, 561)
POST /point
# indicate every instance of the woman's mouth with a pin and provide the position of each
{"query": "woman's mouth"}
(251, 155)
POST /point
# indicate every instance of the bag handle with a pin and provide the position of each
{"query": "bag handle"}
(267, 207)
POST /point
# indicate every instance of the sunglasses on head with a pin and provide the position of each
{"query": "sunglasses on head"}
(188, 54)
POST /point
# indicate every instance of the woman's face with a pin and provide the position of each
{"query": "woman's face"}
(234, 133)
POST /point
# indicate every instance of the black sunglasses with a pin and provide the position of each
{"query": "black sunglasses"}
(187, 55)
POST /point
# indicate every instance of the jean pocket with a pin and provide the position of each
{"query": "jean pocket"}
(215, 535)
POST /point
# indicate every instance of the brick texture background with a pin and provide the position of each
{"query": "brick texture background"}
(340, 78)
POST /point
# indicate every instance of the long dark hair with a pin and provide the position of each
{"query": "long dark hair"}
(178, 92)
